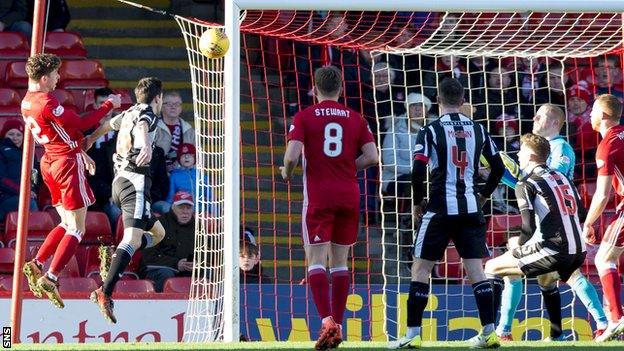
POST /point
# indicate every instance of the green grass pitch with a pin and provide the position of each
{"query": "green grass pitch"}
(363, 346)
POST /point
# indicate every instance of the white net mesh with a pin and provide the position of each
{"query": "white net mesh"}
(204, 317)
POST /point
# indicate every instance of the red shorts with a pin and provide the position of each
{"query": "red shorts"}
(66, 178)
(614, 235)
(338, 225)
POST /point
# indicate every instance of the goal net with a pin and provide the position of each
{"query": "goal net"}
(509, 63)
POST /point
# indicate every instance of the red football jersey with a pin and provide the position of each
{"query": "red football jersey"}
(332, 135)
(610, 158)
(58, 130)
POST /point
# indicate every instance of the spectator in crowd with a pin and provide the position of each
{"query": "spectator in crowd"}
(382, 98)
(452, 66)
(477, 68)
(173, 256)
(14, 17)
(506, 134)
(583, 137)
(183, 178)
(12, 135)
(172, 130)
(396, 155)
(249, 259)
(501, 98)
(608, 77)
(101, 152)
(58, 16)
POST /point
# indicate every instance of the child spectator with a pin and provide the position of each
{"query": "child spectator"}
(183, 178)
(249, 259)
(12, 135)
(579, 102)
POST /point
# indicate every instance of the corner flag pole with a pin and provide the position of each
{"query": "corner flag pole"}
(24, 196)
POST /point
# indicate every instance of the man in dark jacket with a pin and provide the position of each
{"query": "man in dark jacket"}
(14, 17)
(172, 257)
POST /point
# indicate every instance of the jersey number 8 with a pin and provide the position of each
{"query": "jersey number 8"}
(332, 146)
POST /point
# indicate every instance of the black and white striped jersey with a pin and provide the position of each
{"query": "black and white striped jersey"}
(551, 211)
(452, 146)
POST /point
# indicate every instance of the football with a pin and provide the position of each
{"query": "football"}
(214, 43)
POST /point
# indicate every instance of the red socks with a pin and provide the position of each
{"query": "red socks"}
(66, 249)
(612, 289)
(319, 284)
(50, 244)
(340, 291)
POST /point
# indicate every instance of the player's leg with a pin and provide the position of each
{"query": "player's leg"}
(429, 246)
(609, 252)
(33, 269)
(510, 298)
(317, 226)
(552, 301)
(469, 239)
(589, 297)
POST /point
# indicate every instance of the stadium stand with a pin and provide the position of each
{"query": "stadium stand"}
(135, 286)
(7, 258)
(67, 45)
(9, 103)
(78, 284)
(177, 285)
(39, 225)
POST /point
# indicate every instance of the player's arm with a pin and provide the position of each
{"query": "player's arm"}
(497, 168)
(525, 195)
(291, 158)
(368, 158)
(599, 200)
(143, 139)
(105, 126)
(70, 118)
(424, 143)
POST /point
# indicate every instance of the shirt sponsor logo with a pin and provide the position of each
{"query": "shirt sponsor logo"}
(565, 159)
(58, 111)
(461, 134)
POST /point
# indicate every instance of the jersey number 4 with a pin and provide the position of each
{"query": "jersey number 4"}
(332, 145)
(36, 131)
(565, 197)
(460, 160)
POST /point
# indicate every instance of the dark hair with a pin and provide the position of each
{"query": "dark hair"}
(102, 92)
(41, 65)
(328, 80)
(147, 89)
(248, 249)
(539, 145)
(451, 92)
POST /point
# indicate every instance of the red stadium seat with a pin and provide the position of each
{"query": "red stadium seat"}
(98, 229)
(67, 45)
(77, 285)
(71, 270)
(15, 76)
(7, 258)
(13, 45)
(84, 74)
(451, 266)
(6, 284)
(66, 99)
(500, 226)
(39, 225)
(9, 103)
(177, 285)
(135, 286)
(92, 263)
(126, 99)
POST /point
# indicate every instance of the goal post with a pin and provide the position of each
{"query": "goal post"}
(531, 29)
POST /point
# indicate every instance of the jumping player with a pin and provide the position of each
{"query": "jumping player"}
(63, 167)
(605, 119)
(131, 185)
(329, 136)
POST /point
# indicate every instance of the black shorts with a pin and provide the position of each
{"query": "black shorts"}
(436, 231)
(131, 192)
(535, 259)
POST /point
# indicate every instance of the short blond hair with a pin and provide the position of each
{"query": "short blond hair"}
(610, 105)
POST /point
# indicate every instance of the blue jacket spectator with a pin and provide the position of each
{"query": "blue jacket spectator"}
(184, 177)
(11, 168)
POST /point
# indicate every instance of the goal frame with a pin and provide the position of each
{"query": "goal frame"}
(233, 20)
